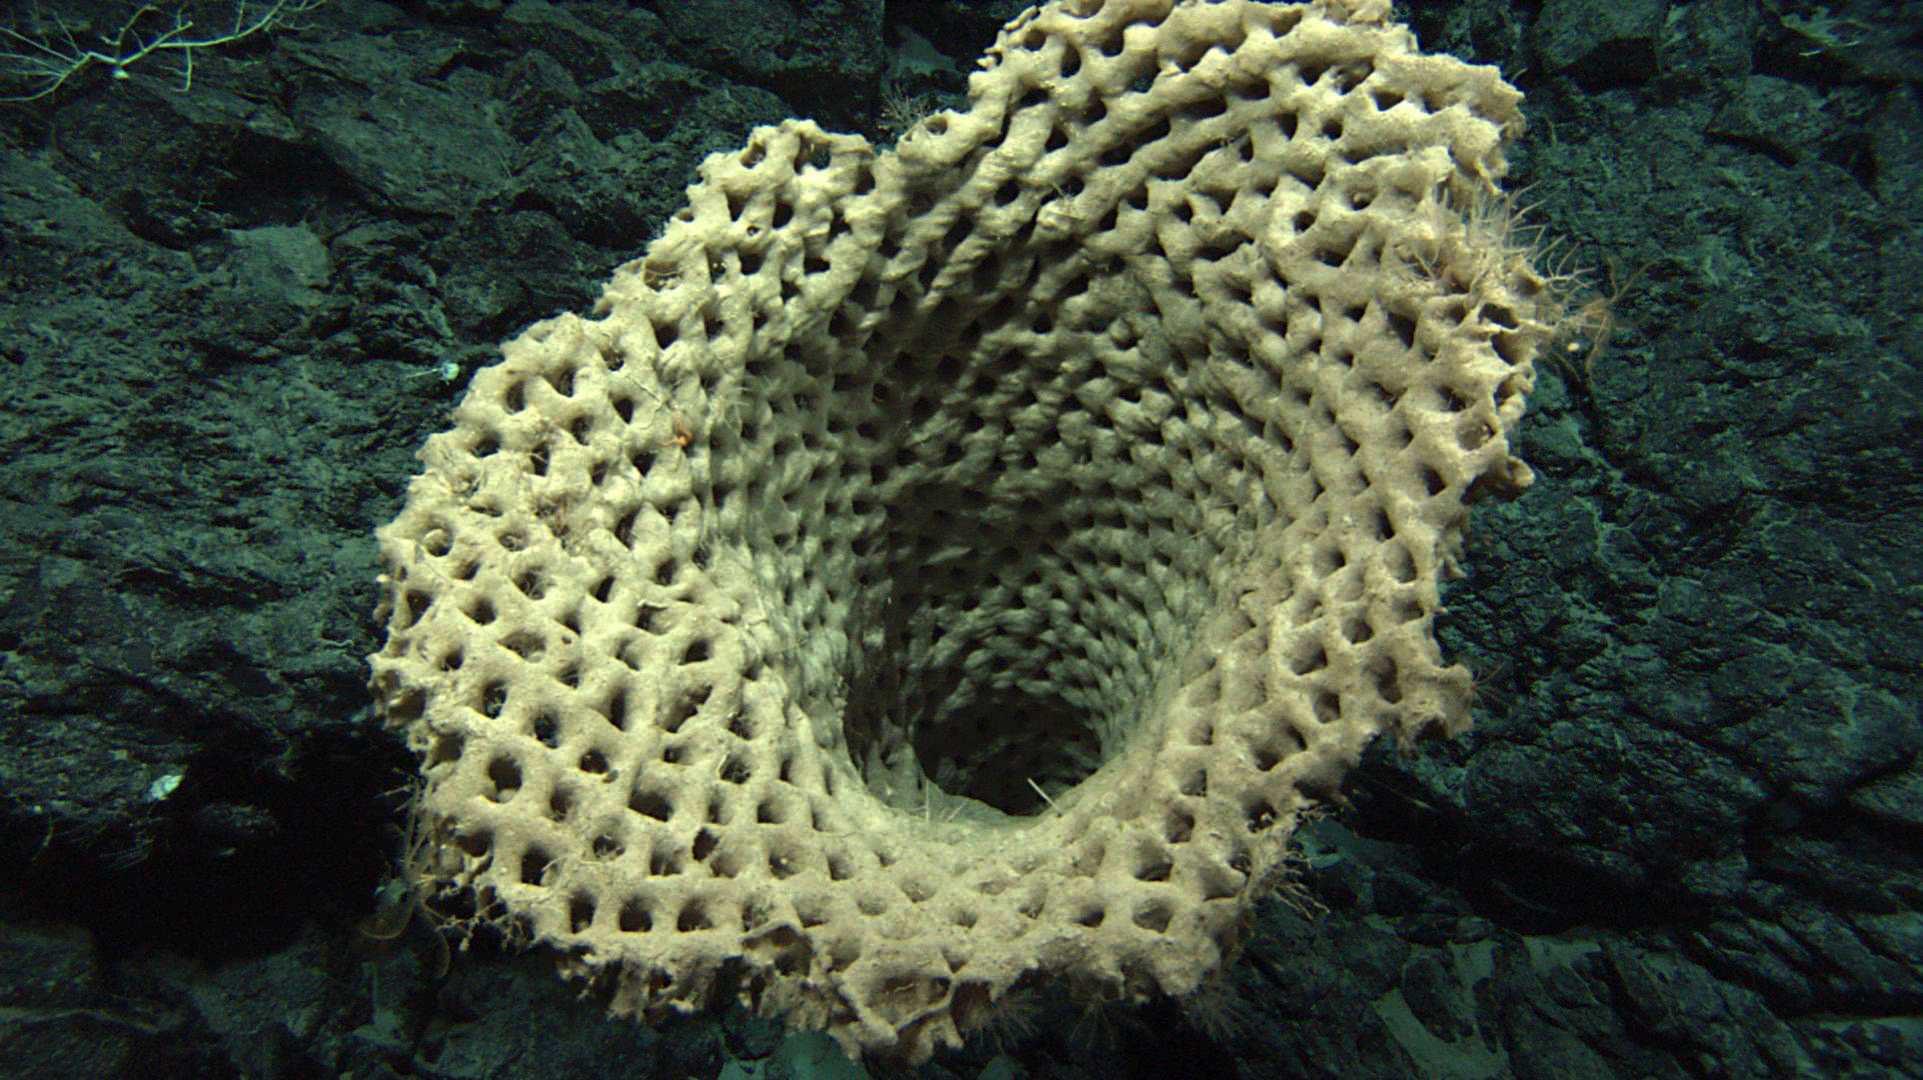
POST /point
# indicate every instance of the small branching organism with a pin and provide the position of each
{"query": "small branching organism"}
(41, 54)
(1587, 329)
(901, 110)
(1580, 315)
(1012, 1020)
(402, 898)
(1216, 1008)
(682, 436)
(1482, 686)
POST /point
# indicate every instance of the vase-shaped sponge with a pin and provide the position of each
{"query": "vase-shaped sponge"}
(937, 568)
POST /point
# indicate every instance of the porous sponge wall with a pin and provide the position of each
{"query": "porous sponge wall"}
(933, 569)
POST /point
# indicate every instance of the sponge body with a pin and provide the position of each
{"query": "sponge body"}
(932, 569)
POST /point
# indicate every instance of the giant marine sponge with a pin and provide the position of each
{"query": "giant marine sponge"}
(934, 569)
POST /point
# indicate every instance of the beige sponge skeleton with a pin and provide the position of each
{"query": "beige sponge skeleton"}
(936, 569)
